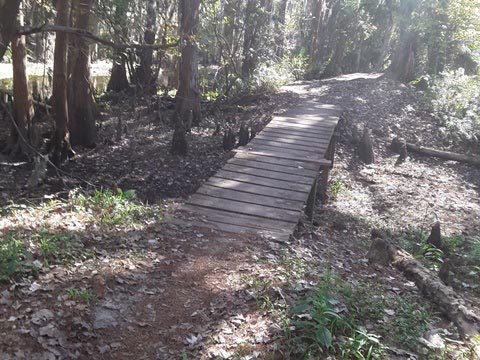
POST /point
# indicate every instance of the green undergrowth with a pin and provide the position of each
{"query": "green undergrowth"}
(111, 208)
(324, 315)
(462, 252)
(47, 240)
(354, 320)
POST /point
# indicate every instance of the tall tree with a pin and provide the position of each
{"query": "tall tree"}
(250, 37)
(187, 106)
(403, 65)
(8, 17)
(118, 78)
(81, 101)
(22, 104)
(144, 71)
(61, 148)
(279, 28)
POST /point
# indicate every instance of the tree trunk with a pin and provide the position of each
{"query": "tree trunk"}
(22, 101)
(187, 106)
(118, 78)
(81, 101)
(316, 27)
(250, 38)
(402, 67)
(61, 148)
(8, 16)
(144, 71)
(280, 29)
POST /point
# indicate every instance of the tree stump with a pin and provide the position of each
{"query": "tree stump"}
(365, 147)
(179, 143)
(243, 136)
(399, 146)
(435, 237)
(229, 140)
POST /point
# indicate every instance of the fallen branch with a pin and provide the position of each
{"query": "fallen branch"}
(449, 303)
(446, 155)
(95, 38)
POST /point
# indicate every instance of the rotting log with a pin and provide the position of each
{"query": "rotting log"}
(444, 297)
(446, 155)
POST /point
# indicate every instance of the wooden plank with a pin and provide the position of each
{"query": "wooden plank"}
(231, 194)
(296, 134)
(318, 128)
(308, 154)
(292, 139)
(309, 118)
(297, 164)
(256, 189)
(257, 180)
(313, 123)
(317, 162)
(300, 131)
(238, 229)
(253, 163)
(269, 174)
(288, 145)
(238, 207)
(238, 219)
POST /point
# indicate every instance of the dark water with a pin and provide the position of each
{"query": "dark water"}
(41, 86)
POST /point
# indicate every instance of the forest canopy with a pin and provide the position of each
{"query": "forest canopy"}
(241, 46)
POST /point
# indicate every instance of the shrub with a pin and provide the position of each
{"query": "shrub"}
(455, 102)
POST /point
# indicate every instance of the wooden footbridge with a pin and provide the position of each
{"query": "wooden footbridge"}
(265, 187)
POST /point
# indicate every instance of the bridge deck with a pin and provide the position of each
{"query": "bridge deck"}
(264, 188)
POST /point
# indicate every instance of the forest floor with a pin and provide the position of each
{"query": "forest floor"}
(104, 276)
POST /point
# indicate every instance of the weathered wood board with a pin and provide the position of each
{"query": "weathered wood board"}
(263, 189)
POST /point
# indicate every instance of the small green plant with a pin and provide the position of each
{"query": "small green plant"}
(57, 248)
(257, 283)
(113, 208)
(294, 265)
(318, 320)
(452, 243)
(410, 322)
(336, 187)
(362, 345)
(433, 255)
(364, 302)
(315, 320)
(13, 257)
(83, 295)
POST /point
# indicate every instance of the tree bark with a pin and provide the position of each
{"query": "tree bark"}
(61, 148)
(22, 100)
(81, 101)
(279, 29)
(144, 71)
(250, 37)
(187, 99)
(365, 147)
(8, 17)
(316, 27)
(118, 78)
